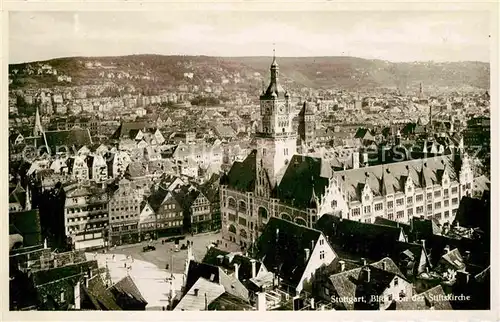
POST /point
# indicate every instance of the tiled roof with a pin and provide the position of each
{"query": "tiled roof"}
(281, 248)
(346, 230)
(389, 178)
(349, 284)
(242, 175)
(27, 224)
(99, 296)
(214, 255)
(125, 128)
(228, 302)
(312, 173)
(54, 274)
(207, 292)
(216, 275)
(75, 137)
(128, 289)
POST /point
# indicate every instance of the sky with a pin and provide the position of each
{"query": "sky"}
(392, 36)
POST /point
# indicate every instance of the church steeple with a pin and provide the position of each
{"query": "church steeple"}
(276, 137)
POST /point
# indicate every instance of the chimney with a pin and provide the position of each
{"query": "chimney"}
(384, 265)
(236, 271)
(367, 271)
(86, 278)
(363, 260)
(308, 253)
(342, 266)
(196, 290)
(261, 301)
(77, 296)
(220, 259)
(254, 268)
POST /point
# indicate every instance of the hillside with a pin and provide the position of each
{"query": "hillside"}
(315, 72)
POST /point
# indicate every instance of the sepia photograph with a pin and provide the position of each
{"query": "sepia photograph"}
(247, 160)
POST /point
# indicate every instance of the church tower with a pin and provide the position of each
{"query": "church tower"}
(307, 124)
(276, 137)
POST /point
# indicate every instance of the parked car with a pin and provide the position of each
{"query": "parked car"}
(148, 248)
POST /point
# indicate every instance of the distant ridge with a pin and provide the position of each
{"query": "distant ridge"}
(317, 72)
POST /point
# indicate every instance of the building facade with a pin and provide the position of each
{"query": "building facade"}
(86, 215)
(273, 181)
(124, 211)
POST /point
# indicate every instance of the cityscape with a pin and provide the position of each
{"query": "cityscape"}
(202, 178)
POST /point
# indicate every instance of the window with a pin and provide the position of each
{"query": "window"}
(378, 206)
(437, 193)
(389, 297)
(231, 202)
(396, 281)
(437, 216)
(355, 212)
(454, 201)
(409, 200)
(390, 204)
(446, 214)
(243, 206)
(437, 205)
(410, 212)
(367, 209)
(429, 196)
(399, 202)
(420, 209)
(321, 241)
(454, 212)
(454, 190)
(446, 193)
(322, 254)
(390, 216)
(400, 214)
(419, 198)
(446, 203)
(232, 217)
(334, 203)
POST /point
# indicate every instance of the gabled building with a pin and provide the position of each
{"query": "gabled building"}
(370, 287)
(86, 216)
(293, 253)
(124, 211)
(98, 169)
(78, 168)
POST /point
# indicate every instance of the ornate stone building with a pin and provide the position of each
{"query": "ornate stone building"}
(274, 181)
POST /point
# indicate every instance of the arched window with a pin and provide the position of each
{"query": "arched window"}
(243, 206)
(232, 229)
(286, 216)
(300, 221)
(231, 203)
(263, 212)
(243, 233)
(283, 130)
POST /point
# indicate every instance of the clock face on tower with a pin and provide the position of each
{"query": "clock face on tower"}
(281, 108)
